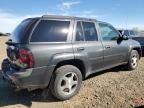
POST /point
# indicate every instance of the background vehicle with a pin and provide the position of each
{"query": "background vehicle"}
(133, 35)
(60, 51)
(129, 33)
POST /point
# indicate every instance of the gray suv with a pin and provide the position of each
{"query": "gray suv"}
(58, 52)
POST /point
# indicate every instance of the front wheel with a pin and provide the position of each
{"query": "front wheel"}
(66, 82)
(133, 60)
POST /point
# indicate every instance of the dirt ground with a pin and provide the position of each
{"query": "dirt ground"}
(114, 88)
(3, 39)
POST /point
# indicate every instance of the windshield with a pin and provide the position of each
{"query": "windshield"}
(19, 33)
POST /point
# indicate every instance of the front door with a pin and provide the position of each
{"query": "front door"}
(115, 52)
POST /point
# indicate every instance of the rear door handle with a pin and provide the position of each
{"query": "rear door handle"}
(80, 49)
(107, 46)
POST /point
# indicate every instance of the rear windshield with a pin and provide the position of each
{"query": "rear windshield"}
(20, 34)
(51, 31)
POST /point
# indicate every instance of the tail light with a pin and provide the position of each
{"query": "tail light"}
(26, 58)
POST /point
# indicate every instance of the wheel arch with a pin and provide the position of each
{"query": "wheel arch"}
(138, 50)
(75, 62)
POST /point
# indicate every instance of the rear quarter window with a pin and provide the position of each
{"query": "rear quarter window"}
(51, 31)
(22, 31)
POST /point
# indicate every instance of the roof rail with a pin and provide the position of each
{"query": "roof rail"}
(58, 16)
(67, 17)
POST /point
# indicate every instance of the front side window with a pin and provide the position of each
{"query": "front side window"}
(51, 31)
(108, 33)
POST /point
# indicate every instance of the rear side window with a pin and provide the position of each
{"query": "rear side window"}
(89, 31)
(86, 31)
(51, 31)
(79, 32)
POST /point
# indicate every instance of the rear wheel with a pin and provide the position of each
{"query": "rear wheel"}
(66, 82)
(133, 60)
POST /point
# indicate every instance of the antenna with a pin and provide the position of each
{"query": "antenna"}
(126, 22)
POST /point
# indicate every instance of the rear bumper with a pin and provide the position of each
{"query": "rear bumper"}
(30, 79)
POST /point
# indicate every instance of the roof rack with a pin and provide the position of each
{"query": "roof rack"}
(67, 17)
(58, 16)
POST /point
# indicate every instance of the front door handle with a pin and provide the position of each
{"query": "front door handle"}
(80, 49)
(107, 46)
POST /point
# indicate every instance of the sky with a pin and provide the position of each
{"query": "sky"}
(120, 13)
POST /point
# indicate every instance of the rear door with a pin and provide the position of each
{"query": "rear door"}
(51, 38)
(87, 45)
(115, 52)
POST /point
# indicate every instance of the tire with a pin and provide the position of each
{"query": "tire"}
(133, 60)
(66, 82)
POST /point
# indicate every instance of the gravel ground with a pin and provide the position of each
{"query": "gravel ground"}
(114, 88)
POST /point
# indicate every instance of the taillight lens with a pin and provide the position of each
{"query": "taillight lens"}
(25, 57)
